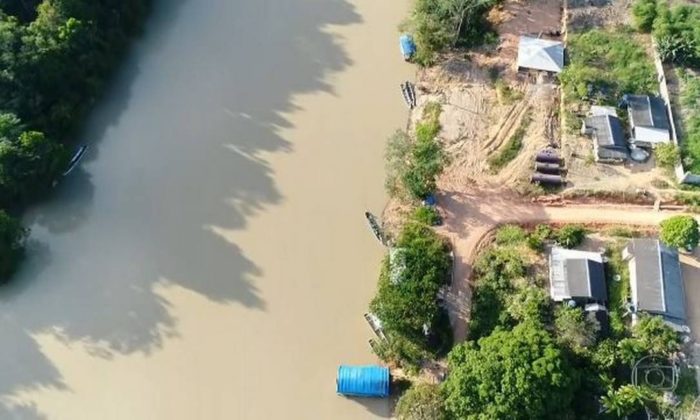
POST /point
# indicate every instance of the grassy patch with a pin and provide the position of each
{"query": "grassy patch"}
(602, 67)
(618, 280)
(512, 148)
(690, 101)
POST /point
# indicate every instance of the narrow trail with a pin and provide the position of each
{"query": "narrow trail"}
(470, 214)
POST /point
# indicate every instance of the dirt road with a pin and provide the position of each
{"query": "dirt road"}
(471, 214)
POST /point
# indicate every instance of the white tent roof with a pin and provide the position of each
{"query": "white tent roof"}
(540, 54)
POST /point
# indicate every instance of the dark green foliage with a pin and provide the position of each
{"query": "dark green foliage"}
(626, 400)
(644, 12)
(573, 329)
(676, 30)
(421, 402)
(439, 24)
(606, 65)
(680, 232)
(55, 56)
(494, 272)
(570, 236)
(406, 305)
(28, 162)
(413, 166)
(426, 215)
(12, 237)
(518, 374)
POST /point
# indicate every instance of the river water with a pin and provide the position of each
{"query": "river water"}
(210, 258)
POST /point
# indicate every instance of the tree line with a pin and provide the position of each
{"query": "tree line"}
(55, 57)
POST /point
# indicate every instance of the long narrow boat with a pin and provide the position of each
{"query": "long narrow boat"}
(375, 324)
(75, 159)
(406, 95)
(411, 90)
(374, 225)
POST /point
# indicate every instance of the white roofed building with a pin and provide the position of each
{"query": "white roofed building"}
(540, 54)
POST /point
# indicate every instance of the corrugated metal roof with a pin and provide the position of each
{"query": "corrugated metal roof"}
(647, 111)
(609, 136)
(658, 279)
(540, 54)
(576, 274)
(363, 381)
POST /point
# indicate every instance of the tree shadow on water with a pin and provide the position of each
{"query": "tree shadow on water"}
(177, 158)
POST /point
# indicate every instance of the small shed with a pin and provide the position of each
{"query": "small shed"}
(649, 123)
(540, 54)
(363, 381)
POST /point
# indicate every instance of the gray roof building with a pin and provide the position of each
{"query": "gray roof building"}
(656, 281)
(649, 122)
(608, 137)
(576, 275)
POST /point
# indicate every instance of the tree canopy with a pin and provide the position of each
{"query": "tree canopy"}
(680, 232)
(55, 56)
(406, 302)
(421, 402)
(517, 374)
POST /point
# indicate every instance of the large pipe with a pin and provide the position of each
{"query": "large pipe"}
(539, 178)
(548, 168)
(548, 156)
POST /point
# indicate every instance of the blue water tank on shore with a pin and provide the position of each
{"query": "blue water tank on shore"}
(363, 381)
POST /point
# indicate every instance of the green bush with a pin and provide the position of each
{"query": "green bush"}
(606, 64)
(570, 236)
(517, 374)
(12, 237)
(407, 305)
(573, 329)
(426, 215)
(680, 232)
(644, 12)
(435, 23)
(421, 402)
(510, 235)
(667, 155)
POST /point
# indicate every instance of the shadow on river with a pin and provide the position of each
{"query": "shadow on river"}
(175, 155)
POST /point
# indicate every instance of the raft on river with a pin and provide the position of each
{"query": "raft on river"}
(363, 381)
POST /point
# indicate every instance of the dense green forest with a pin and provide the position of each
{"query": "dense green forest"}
(55, 56)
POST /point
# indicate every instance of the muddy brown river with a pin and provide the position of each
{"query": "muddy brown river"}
(209, 259)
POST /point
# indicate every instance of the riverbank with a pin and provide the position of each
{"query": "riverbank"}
(210, 259)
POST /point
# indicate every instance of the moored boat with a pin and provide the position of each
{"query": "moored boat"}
(376, 229)
(406, 95)
(75, 159)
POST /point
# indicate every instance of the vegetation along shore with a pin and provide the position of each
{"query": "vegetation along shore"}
(504, 182)
(56, 57)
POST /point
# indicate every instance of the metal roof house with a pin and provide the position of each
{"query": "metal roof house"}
(656, 281)
(576, 275)
(608, 138)
(649, 123)
(540, 54)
